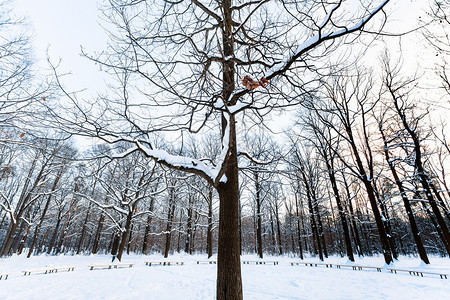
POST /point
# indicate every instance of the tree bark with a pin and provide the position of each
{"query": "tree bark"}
(83, 230)
(259, 245)
(145, 244)
(229, 282)
(209, 238)
(187, 242)
(55, 234)
(125, 233)
(170, 216)
(279, 238)
(98, 234)
(297, 216)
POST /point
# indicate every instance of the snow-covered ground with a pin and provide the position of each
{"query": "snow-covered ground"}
(197, 281)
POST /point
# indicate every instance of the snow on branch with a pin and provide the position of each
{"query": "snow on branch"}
(210, 172)
(220, 169)
(320, 38)
(309, 44)
(8, 209)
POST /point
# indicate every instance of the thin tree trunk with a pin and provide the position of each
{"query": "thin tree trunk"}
(354, 226)
(130, 236)
(373, 203)
(313, 217)
(145, 244)
(342, 213)
(170, 216)
(64, 232)
(83, 230)
(279, 240)
(406, 203)
(258, 216)
(55, 234)
(297, 216)
(115, 245)
(187, 242)
(23, 241)
(209, 238)
(98, 234)
(387, 224)
(125, 234)
(18, 236)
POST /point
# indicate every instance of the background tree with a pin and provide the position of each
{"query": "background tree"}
(19, 84)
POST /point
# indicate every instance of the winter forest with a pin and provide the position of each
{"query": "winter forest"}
(306, 129)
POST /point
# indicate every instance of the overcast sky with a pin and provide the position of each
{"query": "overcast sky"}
(65, 25)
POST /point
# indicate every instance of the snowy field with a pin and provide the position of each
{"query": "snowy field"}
(197, 281)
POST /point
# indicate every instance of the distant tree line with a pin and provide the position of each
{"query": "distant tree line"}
(362, 171)
(359, 159)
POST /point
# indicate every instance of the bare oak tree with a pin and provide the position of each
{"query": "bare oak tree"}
(188, 67)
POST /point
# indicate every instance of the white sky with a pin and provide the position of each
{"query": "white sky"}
(63, 26)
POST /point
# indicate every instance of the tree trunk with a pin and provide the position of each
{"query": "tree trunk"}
(64, 229)
(229, 282)
(83, 230)
(259, 245)
(313, 217)
(125, 234)
(209, 238)
(18, 236)
(387, 225)
(23, 241)
(55, 234)
(409, 212)
(145, 244)
(130, 237)
(187, 242)
(44, 212)
(170, 216)
(279, 240)
(115, 244)
(98, 234)
(297, 216)
(319, 224)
